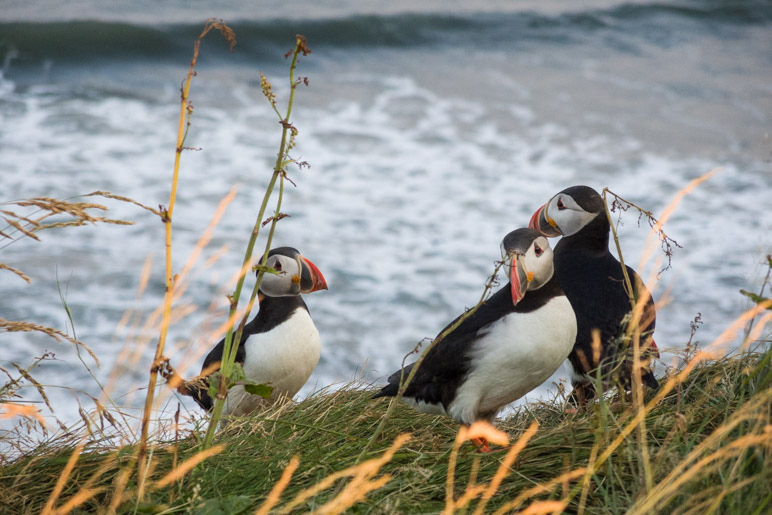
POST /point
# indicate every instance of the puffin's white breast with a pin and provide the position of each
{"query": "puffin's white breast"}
(517, 353)
(283, 357)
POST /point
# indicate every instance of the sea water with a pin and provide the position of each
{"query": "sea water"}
(431, 130)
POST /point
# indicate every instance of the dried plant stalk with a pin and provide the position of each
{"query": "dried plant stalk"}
(166, 216)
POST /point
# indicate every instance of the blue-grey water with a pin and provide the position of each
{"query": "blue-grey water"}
(432, 129)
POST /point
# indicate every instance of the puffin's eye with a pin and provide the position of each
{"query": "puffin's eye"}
(560, 205)
(277, 266)
(538, 250)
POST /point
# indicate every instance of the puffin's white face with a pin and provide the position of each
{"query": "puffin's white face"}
(528, 269)
(537, 263)
(562, 215)
(286, 281)
(568, 216)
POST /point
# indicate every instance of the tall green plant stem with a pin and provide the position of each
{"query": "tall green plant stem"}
(282, 159)
(628, 284)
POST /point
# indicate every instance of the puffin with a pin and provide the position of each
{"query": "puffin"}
(515, 341)
(592, 279)
(280, 346)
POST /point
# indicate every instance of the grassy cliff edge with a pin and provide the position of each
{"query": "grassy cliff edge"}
(708, 443)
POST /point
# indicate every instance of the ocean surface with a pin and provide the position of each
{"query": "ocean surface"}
(431, 129)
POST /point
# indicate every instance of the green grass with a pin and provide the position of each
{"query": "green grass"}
(720, 414)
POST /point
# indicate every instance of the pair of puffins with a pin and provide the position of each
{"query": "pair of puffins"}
(568, 303)
(571, 303)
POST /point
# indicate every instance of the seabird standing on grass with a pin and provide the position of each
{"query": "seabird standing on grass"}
(593, 281)
(280, 346)
(513, 342)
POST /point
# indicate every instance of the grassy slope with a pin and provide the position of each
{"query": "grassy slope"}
(329, 430)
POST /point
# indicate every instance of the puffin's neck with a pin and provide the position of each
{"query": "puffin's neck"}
(593, 236)
(534, 299)
(273, 311)
(502, 300)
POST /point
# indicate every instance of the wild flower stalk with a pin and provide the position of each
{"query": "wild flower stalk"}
(638, 303)
(283, 159)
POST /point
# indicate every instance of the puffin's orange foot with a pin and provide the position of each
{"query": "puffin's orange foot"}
(481, 444)
(578, 398)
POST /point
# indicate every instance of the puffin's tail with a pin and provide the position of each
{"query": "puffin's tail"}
(198, 388)
(647, 376)
(391, 389)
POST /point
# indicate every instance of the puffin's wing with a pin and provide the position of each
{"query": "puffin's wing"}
(648, 321)
(199, 387)
(612, 310)
(213, 359)
(609, 306)
(447, 363)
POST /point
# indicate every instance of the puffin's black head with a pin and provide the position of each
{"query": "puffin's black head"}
(296, 274)
(527, 260)
(568, 212)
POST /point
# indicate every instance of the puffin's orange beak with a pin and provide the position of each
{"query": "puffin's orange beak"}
(653, 348)
(518, 278)
(316, 282)
(543, 223)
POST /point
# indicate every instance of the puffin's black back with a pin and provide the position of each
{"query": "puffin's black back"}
(447, 364)
(592, 280)
(273, 312)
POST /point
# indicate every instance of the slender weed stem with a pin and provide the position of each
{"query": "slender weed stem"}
(628, 284)
(279, 173)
